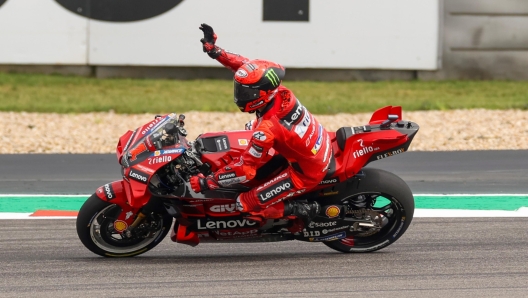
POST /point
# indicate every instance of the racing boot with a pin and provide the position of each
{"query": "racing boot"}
(305, 211)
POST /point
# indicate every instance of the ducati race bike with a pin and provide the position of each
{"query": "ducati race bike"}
(363, 209)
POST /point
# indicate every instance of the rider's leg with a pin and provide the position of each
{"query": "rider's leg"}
(267, 199)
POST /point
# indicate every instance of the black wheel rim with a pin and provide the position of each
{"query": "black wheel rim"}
(104, 235)
(381, 203)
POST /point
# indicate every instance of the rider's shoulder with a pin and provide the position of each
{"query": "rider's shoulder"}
(287, 101)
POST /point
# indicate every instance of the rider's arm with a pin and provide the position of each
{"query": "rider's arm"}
(245, 168)
(227, 59)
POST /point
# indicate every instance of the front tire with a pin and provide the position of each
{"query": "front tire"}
(392, 198)
(95, 228)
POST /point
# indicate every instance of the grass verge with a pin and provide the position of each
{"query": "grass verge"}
(68, 94)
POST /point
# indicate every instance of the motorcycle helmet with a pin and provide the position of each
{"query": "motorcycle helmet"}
(256, 83)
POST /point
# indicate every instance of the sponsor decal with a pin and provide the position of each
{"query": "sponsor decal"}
(322, 224)
(254, 152)
(275, 190)
(309, 139)
(228, 182)
(156, 153)
(138, 176)
(172, 151)
(241, 73)
(240, 162)
(237, 234)
(329, 181)
(223, 208)
(120, 225)
(273, 77)
(399, 229)
(147, 170)
(332, 237)
(294, 116)
(221, 144)
(257, 147)
(256, 104)
(332, 211)
(327, 153)
(242, 142)
(128, 214)
(226, 176)
(364, 150)
(224, 224)
(326, 231)
(319, 141)
(109, 191)
(159, 159)
(273, 180)
(151, 125)
(389, 154)
(311, 234)
(302, 127)
(259, 135)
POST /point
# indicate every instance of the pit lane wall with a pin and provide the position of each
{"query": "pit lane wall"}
(304, 34)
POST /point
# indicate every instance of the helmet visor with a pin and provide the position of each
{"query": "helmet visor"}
(243, 93)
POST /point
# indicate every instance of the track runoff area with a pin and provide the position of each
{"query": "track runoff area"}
(427, 205)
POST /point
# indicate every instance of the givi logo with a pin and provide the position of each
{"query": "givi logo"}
(118, 10)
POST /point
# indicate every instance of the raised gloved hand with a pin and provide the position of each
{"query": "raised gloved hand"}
(200, 183)
(209, 40)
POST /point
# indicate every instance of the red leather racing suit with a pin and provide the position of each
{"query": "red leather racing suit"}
(289, 128)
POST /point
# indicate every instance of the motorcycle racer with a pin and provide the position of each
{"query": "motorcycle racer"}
(281, 123)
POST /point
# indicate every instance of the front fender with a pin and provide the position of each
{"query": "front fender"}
(116, 193)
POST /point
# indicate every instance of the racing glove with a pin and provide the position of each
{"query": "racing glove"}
(250, 125)
(200, 183)
(208, 41)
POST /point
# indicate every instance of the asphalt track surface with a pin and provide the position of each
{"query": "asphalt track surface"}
(437, 257)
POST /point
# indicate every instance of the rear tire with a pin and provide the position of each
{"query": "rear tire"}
(95, 230)
(399, 210)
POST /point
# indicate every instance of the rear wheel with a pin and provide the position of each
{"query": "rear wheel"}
(95, 228)
(387, 202)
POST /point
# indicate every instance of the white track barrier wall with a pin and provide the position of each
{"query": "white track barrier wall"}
(346, 34)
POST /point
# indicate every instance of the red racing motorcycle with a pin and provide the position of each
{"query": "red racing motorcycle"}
(363, 209)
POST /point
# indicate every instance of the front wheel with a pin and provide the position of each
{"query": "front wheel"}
(385, 195)
(95, 228)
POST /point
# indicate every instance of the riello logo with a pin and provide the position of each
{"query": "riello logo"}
(118, 10)
(363, 151)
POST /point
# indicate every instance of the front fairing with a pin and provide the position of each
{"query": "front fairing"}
(148, 149)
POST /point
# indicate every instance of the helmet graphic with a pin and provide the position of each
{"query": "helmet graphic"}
(256, 83)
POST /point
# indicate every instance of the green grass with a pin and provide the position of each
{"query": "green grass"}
(68, 94)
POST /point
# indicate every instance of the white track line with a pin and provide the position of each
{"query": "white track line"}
(521, 212)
